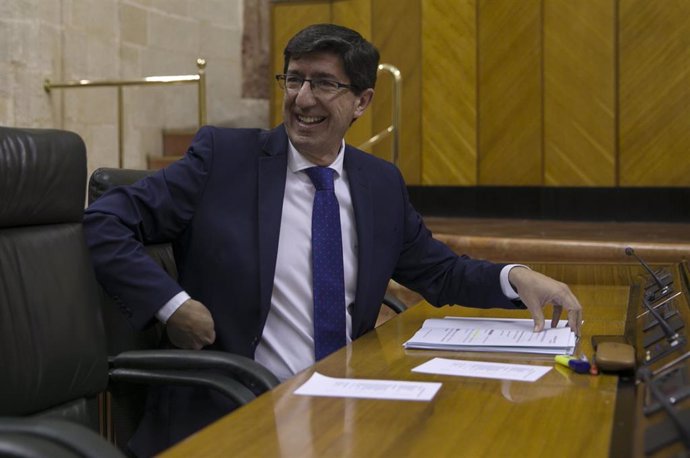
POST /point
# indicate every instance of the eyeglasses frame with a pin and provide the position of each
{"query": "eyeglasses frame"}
(282, 82)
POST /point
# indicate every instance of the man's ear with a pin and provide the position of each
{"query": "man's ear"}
(362, 102)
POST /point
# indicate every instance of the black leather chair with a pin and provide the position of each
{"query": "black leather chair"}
(52, 347)
(54, 357)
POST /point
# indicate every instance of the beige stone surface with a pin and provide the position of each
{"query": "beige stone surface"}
(133, 25)
(65, 40)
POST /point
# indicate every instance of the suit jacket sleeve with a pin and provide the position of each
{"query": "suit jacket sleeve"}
(157, 209)
(429, 267)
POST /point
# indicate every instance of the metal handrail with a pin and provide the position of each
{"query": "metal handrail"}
(199, 79)
(394, 128)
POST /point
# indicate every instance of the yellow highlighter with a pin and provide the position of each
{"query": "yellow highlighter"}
(577, 365)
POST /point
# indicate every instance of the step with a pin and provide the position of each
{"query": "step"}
(177, 141)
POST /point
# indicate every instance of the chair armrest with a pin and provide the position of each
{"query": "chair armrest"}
(19, 445)
(72, 437)
(250, 373)
(228, 387)
(394, 303)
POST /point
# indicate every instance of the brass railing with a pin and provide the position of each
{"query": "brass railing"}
(394, 128)
(199, 79)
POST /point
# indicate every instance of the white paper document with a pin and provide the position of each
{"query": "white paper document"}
(513, 335)
(501, 371)
(320, 385)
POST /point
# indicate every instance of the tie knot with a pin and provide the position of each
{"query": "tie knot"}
(322, 177)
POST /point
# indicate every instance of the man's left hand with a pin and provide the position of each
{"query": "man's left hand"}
(537, 290)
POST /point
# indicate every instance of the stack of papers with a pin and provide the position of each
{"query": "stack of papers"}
(513, 335)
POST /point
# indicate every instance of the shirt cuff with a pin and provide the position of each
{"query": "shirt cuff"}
(506, 287)
(173, 304)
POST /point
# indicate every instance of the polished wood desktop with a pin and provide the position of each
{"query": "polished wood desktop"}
(562, 414)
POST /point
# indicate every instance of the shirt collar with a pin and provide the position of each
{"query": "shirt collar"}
(297, 162)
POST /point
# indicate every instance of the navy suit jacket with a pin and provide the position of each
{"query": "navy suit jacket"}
(221, 207)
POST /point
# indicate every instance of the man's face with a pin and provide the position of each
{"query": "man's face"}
(316, 124)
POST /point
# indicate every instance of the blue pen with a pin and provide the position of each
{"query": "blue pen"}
(577, 365)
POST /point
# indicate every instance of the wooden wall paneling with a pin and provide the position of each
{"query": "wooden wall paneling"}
(449, 97)
(579, 100)
(396, 31)
(654, 93)
(356, 14)
(510, 106)
(286, 20)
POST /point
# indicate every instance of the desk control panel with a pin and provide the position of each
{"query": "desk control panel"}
(659, 387)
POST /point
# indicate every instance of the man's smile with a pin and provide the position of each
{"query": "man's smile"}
(310, 120)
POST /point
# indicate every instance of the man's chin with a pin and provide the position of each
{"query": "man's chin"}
(307, 149)
(303, 143)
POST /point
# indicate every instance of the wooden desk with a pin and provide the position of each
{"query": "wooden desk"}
(562, 414)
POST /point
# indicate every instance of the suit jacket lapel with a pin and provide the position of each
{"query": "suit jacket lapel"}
(364, 220)
(271, 183)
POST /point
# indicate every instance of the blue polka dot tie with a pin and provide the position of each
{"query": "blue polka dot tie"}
(327, 265)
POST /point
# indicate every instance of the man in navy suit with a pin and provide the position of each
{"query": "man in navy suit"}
(238, 210)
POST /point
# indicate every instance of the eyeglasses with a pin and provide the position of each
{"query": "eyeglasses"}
(319, 86)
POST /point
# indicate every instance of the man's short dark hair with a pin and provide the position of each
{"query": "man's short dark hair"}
(360, 58)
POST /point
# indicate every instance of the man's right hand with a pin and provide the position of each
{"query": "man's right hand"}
(191, 327)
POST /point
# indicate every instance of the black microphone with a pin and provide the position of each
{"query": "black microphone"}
(663, 286)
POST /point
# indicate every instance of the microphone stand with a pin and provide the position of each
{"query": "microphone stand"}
(683, 430)
(671, 335)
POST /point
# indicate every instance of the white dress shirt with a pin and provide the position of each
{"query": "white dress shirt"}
(287, 343)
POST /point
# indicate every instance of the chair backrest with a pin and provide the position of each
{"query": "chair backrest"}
(104, 179)
(53, 358)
